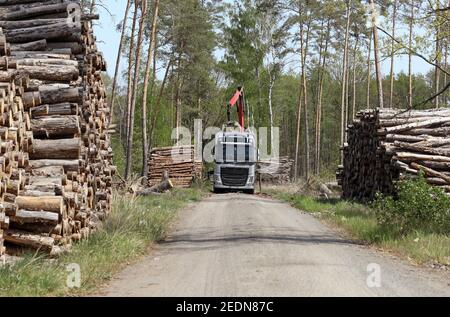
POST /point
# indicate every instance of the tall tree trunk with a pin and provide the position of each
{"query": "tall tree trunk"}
(199, 99)
(437, 72)
(137, 65)
(299, 116)
(411, 30)
(447, 44)
(377, 57)
(394, 18)
(253, 113)
(260, 101)
(249, 116)
(172, 97)
(286, 126)
(119, 55)
(355, 64)
(130, 83)
(344, 78)
(347, 90)
(178, 98)
(318, 114)
(153, 76)
(322, 67)
(158, 105)
(150, 59)
(271, 85)
(369, 70)
(305, 102)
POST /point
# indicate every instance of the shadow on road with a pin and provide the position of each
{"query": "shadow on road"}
(208, 240)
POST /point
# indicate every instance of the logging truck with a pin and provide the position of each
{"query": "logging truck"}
(235, 152)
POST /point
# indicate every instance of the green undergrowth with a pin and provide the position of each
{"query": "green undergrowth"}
(414, 226)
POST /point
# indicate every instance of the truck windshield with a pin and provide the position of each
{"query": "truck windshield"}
(236, 149)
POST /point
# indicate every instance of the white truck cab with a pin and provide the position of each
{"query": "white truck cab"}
(236, 158)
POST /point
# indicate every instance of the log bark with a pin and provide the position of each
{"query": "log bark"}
(39, 45)
(6, 25)
(56, 149)
(41, 217)
(39, 242)
(56, 126)
(421, 149)
(60, 95)
(414, 125)
(58, 73)
(61, 109)
(68, 165)
(413, 157)
(75, 47)
(430, 172)
(44, 32)
(31, 11)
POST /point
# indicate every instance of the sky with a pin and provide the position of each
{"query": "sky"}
(109, 38)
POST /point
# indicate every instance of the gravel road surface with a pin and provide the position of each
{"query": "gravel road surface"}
(241, 245)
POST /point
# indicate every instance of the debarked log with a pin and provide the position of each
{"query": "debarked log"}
(49, 203)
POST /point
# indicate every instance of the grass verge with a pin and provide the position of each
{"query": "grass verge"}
(135, 223)
(360, 222)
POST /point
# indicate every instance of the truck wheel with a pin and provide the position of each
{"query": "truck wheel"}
(249, 191)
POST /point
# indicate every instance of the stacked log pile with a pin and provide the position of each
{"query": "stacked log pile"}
(386, 145)
(15, 139)
(178, 162)
(61, 187)
(4, 220)
(276, 171)
(4, 224)
(198, 169)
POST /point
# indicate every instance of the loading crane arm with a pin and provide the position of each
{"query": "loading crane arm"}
(238, 99)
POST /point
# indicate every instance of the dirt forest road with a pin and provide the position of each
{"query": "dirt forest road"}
(238, 245)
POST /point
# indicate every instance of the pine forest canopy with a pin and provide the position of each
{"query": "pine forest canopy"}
(307, 67)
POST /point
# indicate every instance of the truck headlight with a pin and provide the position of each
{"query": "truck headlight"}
(251, 179)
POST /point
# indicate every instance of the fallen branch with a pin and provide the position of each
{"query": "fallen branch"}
(165, 185)
(159, 188)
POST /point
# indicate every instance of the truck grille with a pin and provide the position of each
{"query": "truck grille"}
(234, 176)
